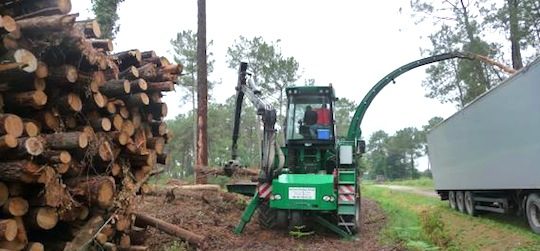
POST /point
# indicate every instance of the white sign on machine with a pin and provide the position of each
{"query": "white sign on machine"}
(302, 193)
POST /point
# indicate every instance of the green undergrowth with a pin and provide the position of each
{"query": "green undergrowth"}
(404, 226)
(418, 222)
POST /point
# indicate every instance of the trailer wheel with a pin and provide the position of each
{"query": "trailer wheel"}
(460, 201)
(533, 212)
(469, 203)
(452, 200)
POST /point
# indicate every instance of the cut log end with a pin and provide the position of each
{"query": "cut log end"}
(39, 98)
(27, 58)
(74, 102)
(64, 6)
(8, 142)
(35, 246)
(11, 124)
(46, 217)
(33, 146)
(16, 206)
(9, 23)
(8, 229)
(106, 194)
(31, 128)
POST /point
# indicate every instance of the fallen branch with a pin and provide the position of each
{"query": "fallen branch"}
(143, 220)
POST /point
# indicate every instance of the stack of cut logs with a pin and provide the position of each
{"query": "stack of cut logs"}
(81, 130)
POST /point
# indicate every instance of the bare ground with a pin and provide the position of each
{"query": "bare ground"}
(216, 215)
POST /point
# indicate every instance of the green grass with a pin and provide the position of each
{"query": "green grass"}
(424, 223)
(421, 182)
(404, 226)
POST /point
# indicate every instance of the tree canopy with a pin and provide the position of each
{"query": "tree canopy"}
(107, 16)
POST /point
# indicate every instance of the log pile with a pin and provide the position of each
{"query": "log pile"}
(81, 129)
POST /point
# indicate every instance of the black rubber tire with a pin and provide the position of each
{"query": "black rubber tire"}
(468, 200)
(357, 219)
(296, 221)
(532, 209)
(282, 218)
(460, 202)
(452, 200)
(267, 217)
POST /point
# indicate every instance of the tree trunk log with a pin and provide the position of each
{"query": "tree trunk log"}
(105, 44)
(137, 100)
(131, 73)
(138, 85)
(15, 206)
(42, 24)
(66, 140)
(19, 171)
(42, 218)
(90, 28)
(8, 142)
(17, 61)
(33, 99)
(35, 246)
(114, 88)
(129, 58)
(66, 74)
(55, 157)
(159, 128)
(11, 124)
(166, 86)
(158, 110)
(98, 190)
(8, 229)
(143, 220)
(156, 143)
(31, 128)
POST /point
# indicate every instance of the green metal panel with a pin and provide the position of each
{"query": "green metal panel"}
(303, 192)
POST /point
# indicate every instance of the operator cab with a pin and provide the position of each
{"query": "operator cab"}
(310, 116)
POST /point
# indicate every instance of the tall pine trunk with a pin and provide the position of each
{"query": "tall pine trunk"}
(202, 94)
(515, 35)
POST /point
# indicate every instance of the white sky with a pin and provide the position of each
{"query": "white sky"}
(351, 44)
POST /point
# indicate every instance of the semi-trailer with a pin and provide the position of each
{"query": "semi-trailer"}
(486, 157)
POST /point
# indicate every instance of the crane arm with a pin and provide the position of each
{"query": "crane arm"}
(355, 131)
(246, 87)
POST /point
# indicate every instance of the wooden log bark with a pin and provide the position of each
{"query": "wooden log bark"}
(164, 159)
(66, 140)
(11, 124)
(98, 190)
(138, 85)
(85, 234)
(130, 73)
(55, 156)
(42, 24)
(156, 143)
(143, 220)
(49, 120)
(129, 58)
(4, 193)
(101, 124)
(70, 102)
(136, 100)
(105, 44)
(114, 88)
(19, 171)
(33, 99)
(26, 9)
(149, 159)
(159, 128)
(65, 74)
(158, 110)
(90, 28)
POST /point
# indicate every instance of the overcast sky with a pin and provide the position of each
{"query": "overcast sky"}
(351, 44)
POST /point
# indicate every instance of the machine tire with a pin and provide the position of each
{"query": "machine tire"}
(297, 220)
(357, 219)
(532, 210)
(460, 201)
(452, 200)
(468, 200)
(267, 217)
